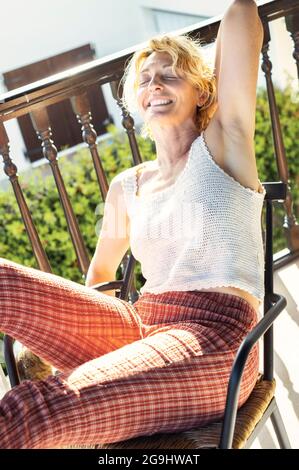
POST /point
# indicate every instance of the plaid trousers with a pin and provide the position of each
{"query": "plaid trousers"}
(159, 365)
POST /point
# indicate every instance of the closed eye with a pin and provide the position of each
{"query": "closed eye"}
(144, 78)
(144, 81)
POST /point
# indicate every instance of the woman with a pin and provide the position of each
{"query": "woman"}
(162, 364)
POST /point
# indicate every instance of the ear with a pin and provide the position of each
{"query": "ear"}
(202, 98)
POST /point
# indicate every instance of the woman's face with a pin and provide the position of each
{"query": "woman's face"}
(165, 97)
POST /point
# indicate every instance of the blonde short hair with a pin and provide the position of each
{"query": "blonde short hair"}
(187, 57)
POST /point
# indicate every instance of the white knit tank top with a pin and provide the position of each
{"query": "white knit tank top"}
(204, 231)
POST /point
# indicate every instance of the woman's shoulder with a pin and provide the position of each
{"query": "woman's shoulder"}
(126, 180)
(128, 172)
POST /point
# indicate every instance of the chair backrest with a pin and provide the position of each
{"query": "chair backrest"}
(276, 191)
(273, 306)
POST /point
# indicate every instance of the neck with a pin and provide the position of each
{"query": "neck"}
(172, 147)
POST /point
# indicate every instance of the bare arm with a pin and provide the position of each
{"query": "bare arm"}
(113, 241)
(238, 46)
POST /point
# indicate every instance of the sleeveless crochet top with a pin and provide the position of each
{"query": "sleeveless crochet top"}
(204, 231)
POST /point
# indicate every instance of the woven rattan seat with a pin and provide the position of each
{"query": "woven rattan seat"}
(32, 367)
(208, 436)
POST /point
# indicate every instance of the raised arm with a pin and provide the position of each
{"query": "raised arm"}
(238, 48)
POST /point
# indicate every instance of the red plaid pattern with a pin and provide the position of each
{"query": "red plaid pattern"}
(160, 365)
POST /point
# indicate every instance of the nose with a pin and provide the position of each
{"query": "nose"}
(155, 83)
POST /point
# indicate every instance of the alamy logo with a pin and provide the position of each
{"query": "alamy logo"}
(184, 221)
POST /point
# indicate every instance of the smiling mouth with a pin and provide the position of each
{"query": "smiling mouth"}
(159, 103)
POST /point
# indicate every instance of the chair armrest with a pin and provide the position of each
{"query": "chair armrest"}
(10, 361)
(232, 397)
(110, 285)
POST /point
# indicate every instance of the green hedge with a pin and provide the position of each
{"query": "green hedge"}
(82, 187)
(287, 102)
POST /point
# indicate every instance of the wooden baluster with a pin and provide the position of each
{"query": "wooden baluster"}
(129, 262)
(290, 224)
(11, 171)
(292, 25)
(127, 121)
(81, 107)
(41, 123)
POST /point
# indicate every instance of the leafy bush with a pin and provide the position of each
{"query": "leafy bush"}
(287, 104)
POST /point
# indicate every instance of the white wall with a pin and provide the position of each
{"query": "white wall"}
(281, 49)
(194, 7)
(35, 29)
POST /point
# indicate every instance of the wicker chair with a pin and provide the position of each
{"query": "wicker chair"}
(240, 427)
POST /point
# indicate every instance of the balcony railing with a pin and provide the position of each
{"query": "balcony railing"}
(35, 98)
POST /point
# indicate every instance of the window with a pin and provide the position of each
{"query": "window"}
(65, 127)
